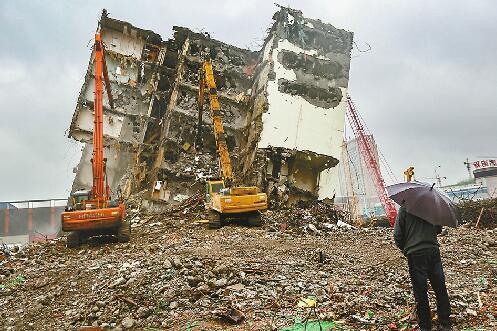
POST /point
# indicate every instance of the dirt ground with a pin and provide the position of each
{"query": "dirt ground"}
(176, 274)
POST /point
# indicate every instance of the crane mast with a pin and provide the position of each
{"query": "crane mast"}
(370, 160)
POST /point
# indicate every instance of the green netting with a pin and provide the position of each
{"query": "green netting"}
(312, 326)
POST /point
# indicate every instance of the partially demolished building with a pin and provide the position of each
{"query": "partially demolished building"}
(283, 108)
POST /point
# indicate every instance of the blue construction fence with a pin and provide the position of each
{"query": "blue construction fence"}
(40, 219)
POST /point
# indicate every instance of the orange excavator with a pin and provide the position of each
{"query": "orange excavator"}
(93, 212)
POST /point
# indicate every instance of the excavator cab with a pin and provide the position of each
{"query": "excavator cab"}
(76, 201)
(213, 187)
(233, 203)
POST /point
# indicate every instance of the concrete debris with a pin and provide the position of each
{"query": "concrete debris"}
(232, 315)
(128, 322)
(178, 274)
(313, 217)
(283, 108)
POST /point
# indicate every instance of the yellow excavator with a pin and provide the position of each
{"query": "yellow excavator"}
(224, 200)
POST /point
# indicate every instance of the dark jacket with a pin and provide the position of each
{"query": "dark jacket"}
(412, 233)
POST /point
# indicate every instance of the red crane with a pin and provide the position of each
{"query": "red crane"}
(373, 166)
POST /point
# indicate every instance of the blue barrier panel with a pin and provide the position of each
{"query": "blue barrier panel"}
(23, 221)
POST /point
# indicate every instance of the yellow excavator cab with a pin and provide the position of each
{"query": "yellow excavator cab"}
(213, 187)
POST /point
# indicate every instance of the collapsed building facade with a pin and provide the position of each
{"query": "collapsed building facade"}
(283, 109)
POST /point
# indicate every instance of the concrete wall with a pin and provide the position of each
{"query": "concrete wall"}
(119, 162)
(291, 121)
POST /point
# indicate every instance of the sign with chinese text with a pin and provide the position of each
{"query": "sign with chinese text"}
(485, 164)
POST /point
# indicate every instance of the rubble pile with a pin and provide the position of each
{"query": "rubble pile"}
(483, 212)
(311, 216)
(192, 166)
(176, 274)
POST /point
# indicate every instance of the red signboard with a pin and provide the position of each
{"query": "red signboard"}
(485, 164)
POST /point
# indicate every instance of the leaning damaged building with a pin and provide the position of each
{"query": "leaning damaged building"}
(283, 109)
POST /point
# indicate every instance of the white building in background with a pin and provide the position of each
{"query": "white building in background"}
(356, 187)
(485, 173)
(483, 185)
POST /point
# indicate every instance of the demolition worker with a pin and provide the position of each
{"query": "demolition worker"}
(418, 241)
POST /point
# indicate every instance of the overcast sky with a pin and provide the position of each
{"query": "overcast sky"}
(427, 89)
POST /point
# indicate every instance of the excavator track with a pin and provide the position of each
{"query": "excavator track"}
(216, 219)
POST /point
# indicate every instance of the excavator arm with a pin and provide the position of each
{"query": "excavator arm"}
(100, 190)
(207, 82)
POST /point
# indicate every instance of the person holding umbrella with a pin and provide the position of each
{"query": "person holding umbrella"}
(423, 211)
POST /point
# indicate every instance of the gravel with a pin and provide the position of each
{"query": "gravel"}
(179, 275)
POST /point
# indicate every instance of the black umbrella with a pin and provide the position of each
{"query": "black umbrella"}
(425, 201)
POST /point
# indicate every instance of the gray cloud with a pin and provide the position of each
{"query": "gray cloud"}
(426, 89)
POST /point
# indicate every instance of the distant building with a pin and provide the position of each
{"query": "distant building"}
(7, 205)
(463, 192)
(485, 173)
(482, 186)
(30, 220)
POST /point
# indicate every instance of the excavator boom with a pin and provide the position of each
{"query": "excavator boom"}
(222, 147)
(98, 189)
